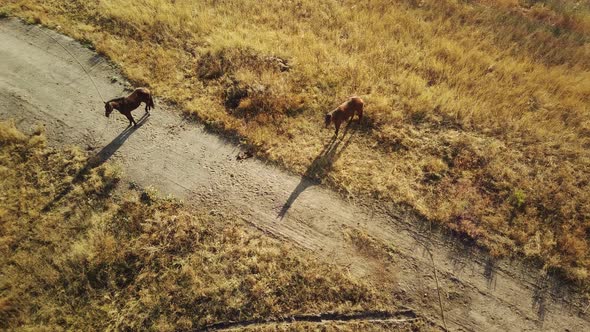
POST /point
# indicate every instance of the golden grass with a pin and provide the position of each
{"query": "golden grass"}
(477, 111)
(100, 259)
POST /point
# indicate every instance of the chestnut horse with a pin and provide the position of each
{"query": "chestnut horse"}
(345, 111)
(127, 104)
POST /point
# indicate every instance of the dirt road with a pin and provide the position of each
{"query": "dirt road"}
(41, 83)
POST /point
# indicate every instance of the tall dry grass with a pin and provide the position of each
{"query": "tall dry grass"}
(477, 111)
(76, 254)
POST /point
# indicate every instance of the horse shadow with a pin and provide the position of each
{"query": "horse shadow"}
(319, 167)
(97, 160)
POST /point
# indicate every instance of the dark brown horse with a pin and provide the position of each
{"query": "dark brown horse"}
(345, 111)
(127, 104)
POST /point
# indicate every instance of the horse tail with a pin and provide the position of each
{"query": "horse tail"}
(151, 101)
(360, 110)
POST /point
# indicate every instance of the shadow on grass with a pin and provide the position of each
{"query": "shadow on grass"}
(95, 161)
(319, 167)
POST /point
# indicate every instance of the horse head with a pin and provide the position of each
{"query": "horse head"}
(328, 119)
(108, 108)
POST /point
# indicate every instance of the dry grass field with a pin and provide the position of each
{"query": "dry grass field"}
(76, 254)
(477, 111)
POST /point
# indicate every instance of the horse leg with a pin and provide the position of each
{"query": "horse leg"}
(337, 125)
(131, 120)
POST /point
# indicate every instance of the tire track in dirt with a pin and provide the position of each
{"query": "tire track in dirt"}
(402, 316)
(180, 158)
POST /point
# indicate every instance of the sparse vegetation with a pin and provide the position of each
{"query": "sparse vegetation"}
(4, 13)
(81, 255)
(476, 111)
